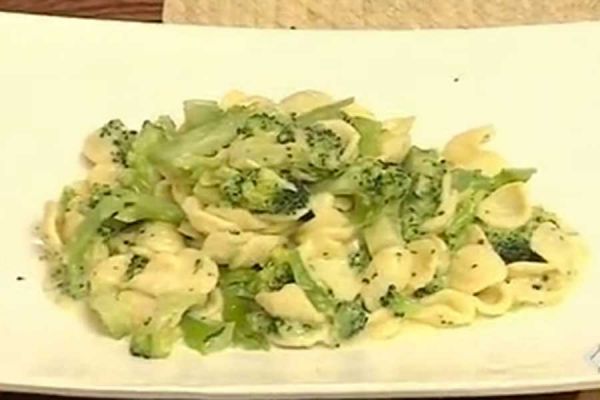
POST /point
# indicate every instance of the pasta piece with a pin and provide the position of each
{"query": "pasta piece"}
(494, 300)
(304, 101)
(536, 282)
(508, 207)
(240, 250)
(381, 234)
(446, 307)
(243, 218)
(390, 267)
(306, 338)
(190, 271)
(179, 195)
(474, 268)
(357, 110)
(476, 235)
(186, 229)
(238, 98)
(99, 150)
(464, 151)
(336, 274)
(446, 209)
(395, 139)
(49, 227)
(382, 324)
(158, 237)
(256, 250)
(103, 174)
(109, 274)
(430, 255)
(203, 221)
(557, 247)
(328, 221)
(71, 221)
(212, 309)
(290, 303)
(122, 312)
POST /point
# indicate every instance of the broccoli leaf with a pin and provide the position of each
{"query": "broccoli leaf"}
(141, 174)
(264, 191)
(198, 113)
(206, 336)
(349, 319)
(370, 136)
(317, 295)
(239, 311)
(400, 305)
(204, 140)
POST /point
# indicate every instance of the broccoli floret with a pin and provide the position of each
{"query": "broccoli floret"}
(426, 170)
(264, 191)
(400, 305)
(350, 318)
(359, 260)
(514, 244)
(275, 274)
(141, 174)
(374, 185)
(261, 123)
(313, 152)
(136, 265)
(437, 283)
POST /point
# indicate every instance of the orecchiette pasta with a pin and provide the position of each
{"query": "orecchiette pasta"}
(507, 207)
(474, 268)
(447, 307)
(390, 267)
(290, 303)
(49, 227)
(297, 223)
(464, 151)
(395, 139)
(305, 101)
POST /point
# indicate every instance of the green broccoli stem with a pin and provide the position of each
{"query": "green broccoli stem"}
(203, 140)
(76, 276)
(317, 295)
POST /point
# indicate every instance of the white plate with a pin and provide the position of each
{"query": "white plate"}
(60, 78)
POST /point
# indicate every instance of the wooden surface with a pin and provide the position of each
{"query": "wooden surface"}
(151, 10)
(133, 10)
